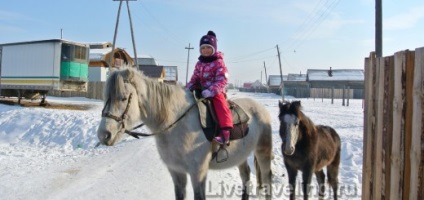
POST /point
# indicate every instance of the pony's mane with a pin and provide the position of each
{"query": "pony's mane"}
(296, 109)
(159, 98)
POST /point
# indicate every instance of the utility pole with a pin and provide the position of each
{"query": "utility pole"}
(261, 77)
(188, 59)
(378, 28)
(116, 33)
(266, 76)
(281, 74)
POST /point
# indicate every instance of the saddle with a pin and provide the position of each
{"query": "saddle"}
(210, 125)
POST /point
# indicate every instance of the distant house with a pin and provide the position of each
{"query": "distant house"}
(171, 74)
(152, 71)
(340, 82)
(99, 56)
(294, 85)
(336, 78)
(274, 81)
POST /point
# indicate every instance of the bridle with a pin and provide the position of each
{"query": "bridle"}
(114, 117)
(120, 119)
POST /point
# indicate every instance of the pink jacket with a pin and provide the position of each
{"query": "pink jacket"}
(212, 76)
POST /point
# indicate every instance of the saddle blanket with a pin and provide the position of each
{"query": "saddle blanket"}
(210, 125)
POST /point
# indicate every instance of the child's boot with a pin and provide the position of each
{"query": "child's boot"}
(223, 138)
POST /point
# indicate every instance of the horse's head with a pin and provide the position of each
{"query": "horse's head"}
(121, 110)
(289, 125)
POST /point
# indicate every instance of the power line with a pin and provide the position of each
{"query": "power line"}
(313, 23)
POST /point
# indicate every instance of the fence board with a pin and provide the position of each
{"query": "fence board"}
(417, 149)
(396, 177)
(387, 123)
(409, 72)
(378, 136)
(368, 110)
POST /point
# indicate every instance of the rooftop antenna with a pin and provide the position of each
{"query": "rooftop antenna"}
(116, 33)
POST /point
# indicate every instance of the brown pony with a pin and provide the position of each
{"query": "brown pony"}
(308, 148)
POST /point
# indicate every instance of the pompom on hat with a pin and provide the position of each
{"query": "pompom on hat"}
(209, 40)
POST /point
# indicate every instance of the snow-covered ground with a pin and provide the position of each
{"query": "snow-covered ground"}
(50, 154)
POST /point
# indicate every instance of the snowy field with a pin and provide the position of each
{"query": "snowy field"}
(50, 154)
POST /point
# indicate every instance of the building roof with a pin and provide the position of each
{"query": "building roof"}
(296, 77)
(99, 45)
(275, 80)
(335, 75)
(146, 60)
(152, 71)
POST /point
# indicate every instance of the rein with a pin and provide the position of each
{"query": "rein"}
(137, 135)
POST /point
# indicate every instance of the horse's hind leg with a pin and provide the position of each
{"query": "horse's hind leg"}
(263, 171)
(180, 182)
(333, 174)
(245, 178)
(321, 183)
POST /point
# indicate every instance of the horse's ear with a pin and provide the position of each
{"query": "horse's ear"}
(128, 74)
(296, 104)
(280, 103)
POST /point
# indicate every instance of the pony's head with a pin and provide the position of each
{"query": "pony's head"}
(289, 125)
(121, 110)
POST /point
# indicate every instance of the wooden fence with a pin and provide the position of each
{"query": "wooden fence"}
(393, 159)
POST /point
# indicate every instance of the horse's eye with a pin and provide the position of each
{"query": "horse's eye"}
(296, 123)
(124, 99)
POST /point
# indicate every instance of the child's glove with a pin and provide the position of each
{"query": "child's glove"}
(207, 93)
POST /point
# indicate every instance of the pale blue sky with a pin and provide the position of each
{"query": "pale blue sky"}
(311, 34)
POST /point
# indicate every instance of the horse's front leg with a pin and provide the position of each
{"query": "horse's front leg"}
(198, 180)
(180, 182)
(307, 177)
(292, 172)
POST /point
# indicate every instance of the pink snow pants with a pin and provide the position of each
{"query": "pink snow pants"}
(222, 111)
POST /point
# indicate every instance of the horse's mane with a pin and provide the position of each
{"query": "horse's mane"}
(159, 98)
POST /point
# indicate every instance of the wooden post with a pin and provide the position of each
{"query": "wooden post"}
(417, 151)
(368, 126)
(348, 96)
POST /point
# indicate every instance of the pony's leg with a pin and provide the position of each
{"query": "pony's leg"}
(180, 182)
(292, 172)
(199, 186)
(307, 177)
(321, 183)
(333, 174)
(245, 178)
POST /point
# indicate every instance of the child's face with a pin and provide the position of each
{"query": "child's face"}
(206, 51)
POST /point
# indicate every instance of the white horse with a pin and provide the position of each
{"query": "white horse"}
(169, 112)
